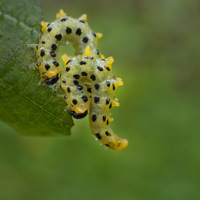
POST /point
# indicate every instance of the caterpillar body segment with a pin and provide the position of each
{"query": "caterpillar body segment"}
(89, 69)
(64, 28)
(72, 82)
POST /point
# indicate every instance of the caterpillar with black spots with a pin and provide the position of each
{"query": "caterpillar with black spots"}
(87, 78)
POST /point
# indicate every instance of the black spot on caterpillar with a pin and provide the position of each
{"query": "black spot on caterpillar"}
(86, 78)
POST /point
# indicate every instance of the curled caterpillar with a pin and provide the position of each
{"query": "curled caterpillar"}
(97, 81)
(86, 78)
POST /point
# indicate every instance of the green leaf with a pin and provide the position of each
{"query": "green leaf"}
(24, 106)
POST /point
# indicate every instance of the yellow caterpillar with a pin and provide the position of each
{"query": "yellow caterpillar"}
(86, 78)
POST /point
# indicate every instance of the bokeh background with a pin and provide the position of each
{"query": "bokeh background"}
(156, 47)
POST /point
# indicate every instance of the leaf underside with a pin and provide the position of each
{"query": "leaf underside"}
(24, 106)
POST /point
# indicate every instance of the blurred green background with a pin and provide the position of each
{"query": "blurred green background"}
(156, 47)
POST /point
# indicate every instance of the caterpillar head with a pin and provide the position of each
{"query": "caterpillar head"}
(79, 115)
(50, 77)
(52, 80)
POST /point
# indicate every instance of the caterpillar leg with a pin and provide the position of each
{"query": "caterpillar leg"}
(32, 66)
(60, 95)
(30, 45)
(66, 109)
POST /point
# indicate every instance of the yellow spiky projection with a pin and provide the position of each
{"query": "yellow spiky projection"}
(86, 78)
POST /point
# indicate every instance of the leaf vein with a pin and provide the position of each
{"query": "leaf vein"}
(15, 19)
(39, 116)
